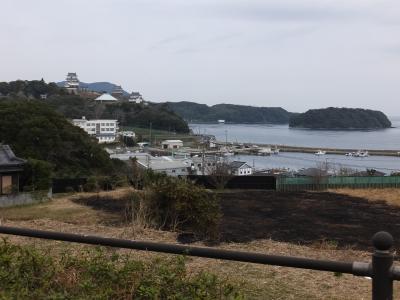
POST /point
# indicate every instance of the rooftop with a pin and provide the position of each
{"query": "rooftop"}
(8, 160)
(171, 141)
(238, 164)
(106, 97)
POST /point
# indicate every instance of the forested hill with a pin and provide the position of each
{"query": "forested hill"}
(35, 131)
(75, 106)
(340, 118)
(194, 112)
(99, 87)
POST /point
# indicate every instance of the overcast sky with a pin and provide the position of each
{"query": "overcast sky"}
(296, 54)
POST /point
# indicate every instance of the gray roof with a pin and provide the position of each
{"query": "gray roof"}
(8, 160)
(238, 164)
(106, 97)
(312, 172)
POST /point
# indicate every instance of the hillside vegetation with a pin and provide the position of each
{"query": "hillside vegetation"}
(35, 131)
(75, 106)
(341, 118)
(194, 112)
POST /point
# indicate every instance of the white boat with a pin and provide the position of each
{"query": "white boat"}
(320, 152)
(361, 154)
(228, 153)
(264, 151)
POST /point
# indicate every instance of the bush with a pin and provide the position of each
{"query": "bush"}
(27, 273)
(37, 174)
(177, 204)
(91, 185)
(105, 183)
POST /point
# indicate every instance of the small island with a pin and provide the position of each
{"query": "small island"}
(340, 118)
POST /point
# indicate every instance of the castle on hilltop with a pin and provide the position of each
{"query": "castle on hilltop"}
(75, 87)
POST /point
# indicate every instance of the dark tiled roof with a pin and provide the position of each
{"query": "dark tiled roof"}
(237, 164)
(8, 160)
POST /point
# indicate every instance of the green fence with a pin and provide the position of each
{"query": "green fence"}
(321, 183)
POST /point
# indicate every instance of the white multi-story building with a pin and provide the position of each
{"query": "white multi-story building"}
(104, 130)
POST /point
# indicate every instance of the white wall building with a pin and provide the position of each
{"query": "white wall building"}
(104, 130)
(136, 97)
(126, 133)
(240, 168)
(166, 165)
(172, 144)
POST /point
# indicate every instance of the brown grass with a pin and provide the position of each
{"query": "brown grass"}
(390, 196)
(258, 281)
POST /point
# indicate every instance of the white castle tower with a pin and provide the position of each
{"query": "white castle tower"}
(72, 83)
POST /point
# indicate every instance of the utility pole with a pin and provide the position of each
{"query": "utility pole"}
(150, 134)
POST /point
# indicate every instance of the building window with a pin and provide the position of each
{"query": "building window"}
(173, 171)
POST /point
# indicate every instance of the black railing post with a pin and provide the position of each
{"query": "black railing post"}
(382, 261)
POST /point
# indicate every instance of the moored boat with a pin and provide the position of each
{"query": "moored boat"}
(320, 152)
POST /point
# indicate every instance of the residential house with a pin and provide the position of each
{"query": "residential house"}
(171, 144)
(312, 172)
(166, 165)
(128, 134)
(10, 170)
(240, 168)
(104, 130)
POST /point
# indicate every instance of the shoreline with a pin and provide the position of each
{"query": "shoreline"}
(312, 150)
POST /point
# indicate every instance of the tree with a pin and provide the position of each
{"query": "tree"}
(35, 131)
(219, 171)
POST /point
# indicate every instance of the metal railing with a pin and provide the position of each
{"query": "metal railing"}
(381, 269)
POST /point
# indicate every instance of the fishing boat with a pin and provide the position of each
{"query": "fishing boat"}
(264, 151)
(361, 154)
(320, 152)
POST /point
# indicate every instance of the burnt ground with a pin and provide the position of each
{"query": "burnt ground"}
(306, 218)
(294, 217)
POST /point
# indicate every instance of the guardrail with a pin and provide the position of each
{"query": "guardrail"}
(381, 269)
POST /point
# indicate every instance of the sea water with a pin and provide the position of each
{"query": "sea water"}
(383, 139)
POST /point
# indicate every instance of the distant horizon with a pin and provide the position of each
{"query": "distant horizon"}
(198, 102)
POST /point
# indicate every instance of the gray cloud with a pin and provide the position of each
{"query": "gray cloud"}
(296, 54)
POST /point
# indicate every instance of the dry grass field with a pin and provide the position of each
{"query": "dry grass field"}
(257, 281)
